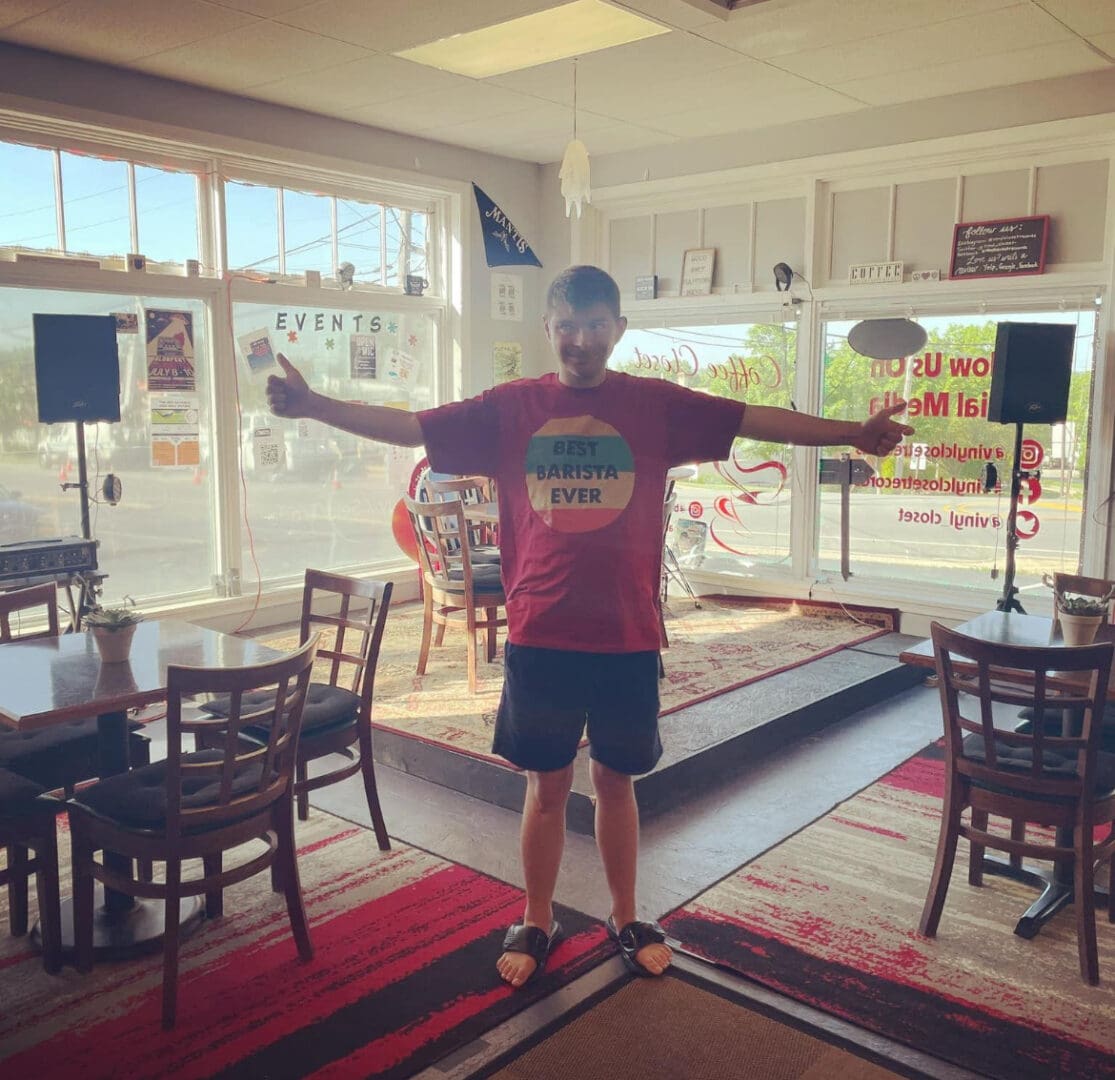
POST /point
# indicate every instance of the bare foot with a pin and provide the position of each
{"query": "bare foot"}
(525, 950)
(654, 958)
(642, 946)
(516, 967)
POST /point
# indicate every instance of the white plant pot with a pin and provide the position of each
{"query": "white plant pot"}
(115, 646)
(1079, 629)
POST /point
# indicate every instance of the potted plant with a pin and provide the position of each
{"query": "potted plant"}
(1080, 616)
(112, 630)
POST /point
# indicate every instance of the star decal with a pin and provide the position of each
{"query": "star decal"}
(292, 335)
(412, 340)
(392, 327)
(329, 343)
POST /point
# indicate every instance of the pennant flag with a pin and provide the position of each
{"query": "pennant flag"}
(503, 246)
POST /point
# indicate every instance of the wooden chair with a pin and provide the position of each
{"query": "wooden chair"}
(62, 755)
(1062, 781)
(337, 717)
(27, 816)
(471, 490)
(199, 805)
(453, 587)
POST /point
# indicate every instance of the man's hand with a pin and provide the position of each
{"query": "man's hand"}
(288, 396)
(880, 434)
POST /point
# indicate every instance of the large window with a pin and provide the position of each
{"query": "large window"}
(289, 232)
(315, 495)
(93, 205)
(186, 527)
(936, 512)
(734, 515)
(156, 542)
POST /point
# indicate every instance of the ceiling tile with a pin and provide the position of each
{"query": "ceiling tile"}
(12, 11)
(264, 8)
(368, 81)
(971, 38)
(1002, 69)
(1084, 16)
(726, 88)
(676, 13)
(391, 25)
(122, 30)
(250, 58)
(421, 112)
(792, 26)
(745, 115)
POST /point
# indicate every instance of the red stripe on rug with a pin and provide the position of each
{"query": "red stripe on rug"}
(378, 1056)
(356, 952)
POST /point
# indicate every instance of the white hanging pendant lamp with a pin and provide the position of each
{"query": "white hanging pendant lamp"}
(574, 172)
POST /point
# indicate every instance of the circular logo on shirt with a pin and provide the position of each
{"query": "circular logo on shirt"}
(580, 473)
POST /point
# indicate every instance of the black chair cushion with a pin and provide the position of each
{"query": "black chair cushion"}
(484, 553)
(139, 798)
(1055, 765)
(63, 753)
(485, 577)
(20, 796)
(326, 707)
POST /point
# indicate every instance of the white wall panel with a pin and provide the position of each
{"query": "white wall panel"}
(728, 229)
(630, 251)
(859, 229)
(924, 213)
(1075, 196)
(674, 233)
(990, 196)
(779, 237)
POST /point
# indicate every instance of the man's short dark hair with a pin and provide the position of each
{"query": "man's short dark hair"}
(581, 287)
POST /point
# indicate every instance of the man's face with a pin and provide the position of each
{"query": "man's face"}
(582, 340)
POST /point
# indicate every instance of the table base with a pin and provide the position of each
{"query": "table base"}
(1055, 893)
(122, 935)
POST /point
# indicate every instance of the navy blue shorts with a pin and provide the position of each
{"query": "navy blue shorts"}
(550, 695)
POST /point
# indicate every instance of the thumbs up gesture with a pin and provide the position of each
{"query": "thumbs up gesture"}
(288, 395)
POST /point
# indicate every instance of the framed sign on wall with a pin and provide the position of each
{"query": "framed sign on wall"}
(1004, 248)
(696, 271)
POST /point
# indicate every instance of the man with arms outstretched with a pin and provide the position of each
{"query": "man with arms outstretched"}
(580, 459)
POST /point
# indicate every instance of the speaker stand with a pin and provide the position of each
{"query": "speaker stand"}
(1009, 600)
(87, 598)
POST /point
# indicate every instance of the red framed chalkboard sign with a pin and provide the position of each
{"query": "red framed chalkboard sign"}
(1005, 248)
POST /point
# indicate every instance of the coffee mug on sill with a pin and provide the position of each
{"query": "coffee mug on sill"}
(415, 285)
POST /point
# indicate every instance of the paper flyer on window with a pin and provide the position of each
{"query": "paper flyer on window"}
(174, 431)
(170, 350)
(362, 356)
(258, 350)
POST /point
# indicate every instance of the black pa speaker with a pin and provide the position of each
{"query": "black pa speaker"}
(1030, 379)
(77, 368)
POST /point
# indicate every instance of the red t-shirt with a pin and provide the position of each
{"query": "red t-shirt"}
(581, 476)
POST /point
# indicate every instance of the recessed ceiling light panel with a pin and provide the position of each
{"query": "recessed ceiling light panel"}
(575, 29)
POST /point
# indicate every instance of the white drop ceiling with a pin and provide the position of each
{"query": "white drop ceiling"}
(715, 72)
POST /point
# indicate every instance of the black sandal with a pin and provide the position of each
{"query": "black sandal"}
(534, 942)
(633, 937)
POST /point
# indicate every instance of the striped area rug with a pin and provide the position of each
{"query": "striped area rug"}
(729, 642)
(403, 973)
(830, 917)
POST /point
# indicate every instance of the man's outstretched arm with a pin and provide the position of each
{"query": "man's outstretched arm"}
(290, 397)
(879, 434)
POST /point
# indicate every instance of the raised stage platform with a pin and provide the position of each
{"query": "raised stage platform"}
(704, 743)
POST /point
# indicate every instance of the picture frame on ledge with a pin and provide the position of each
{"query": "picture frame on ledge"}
(696, 271)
